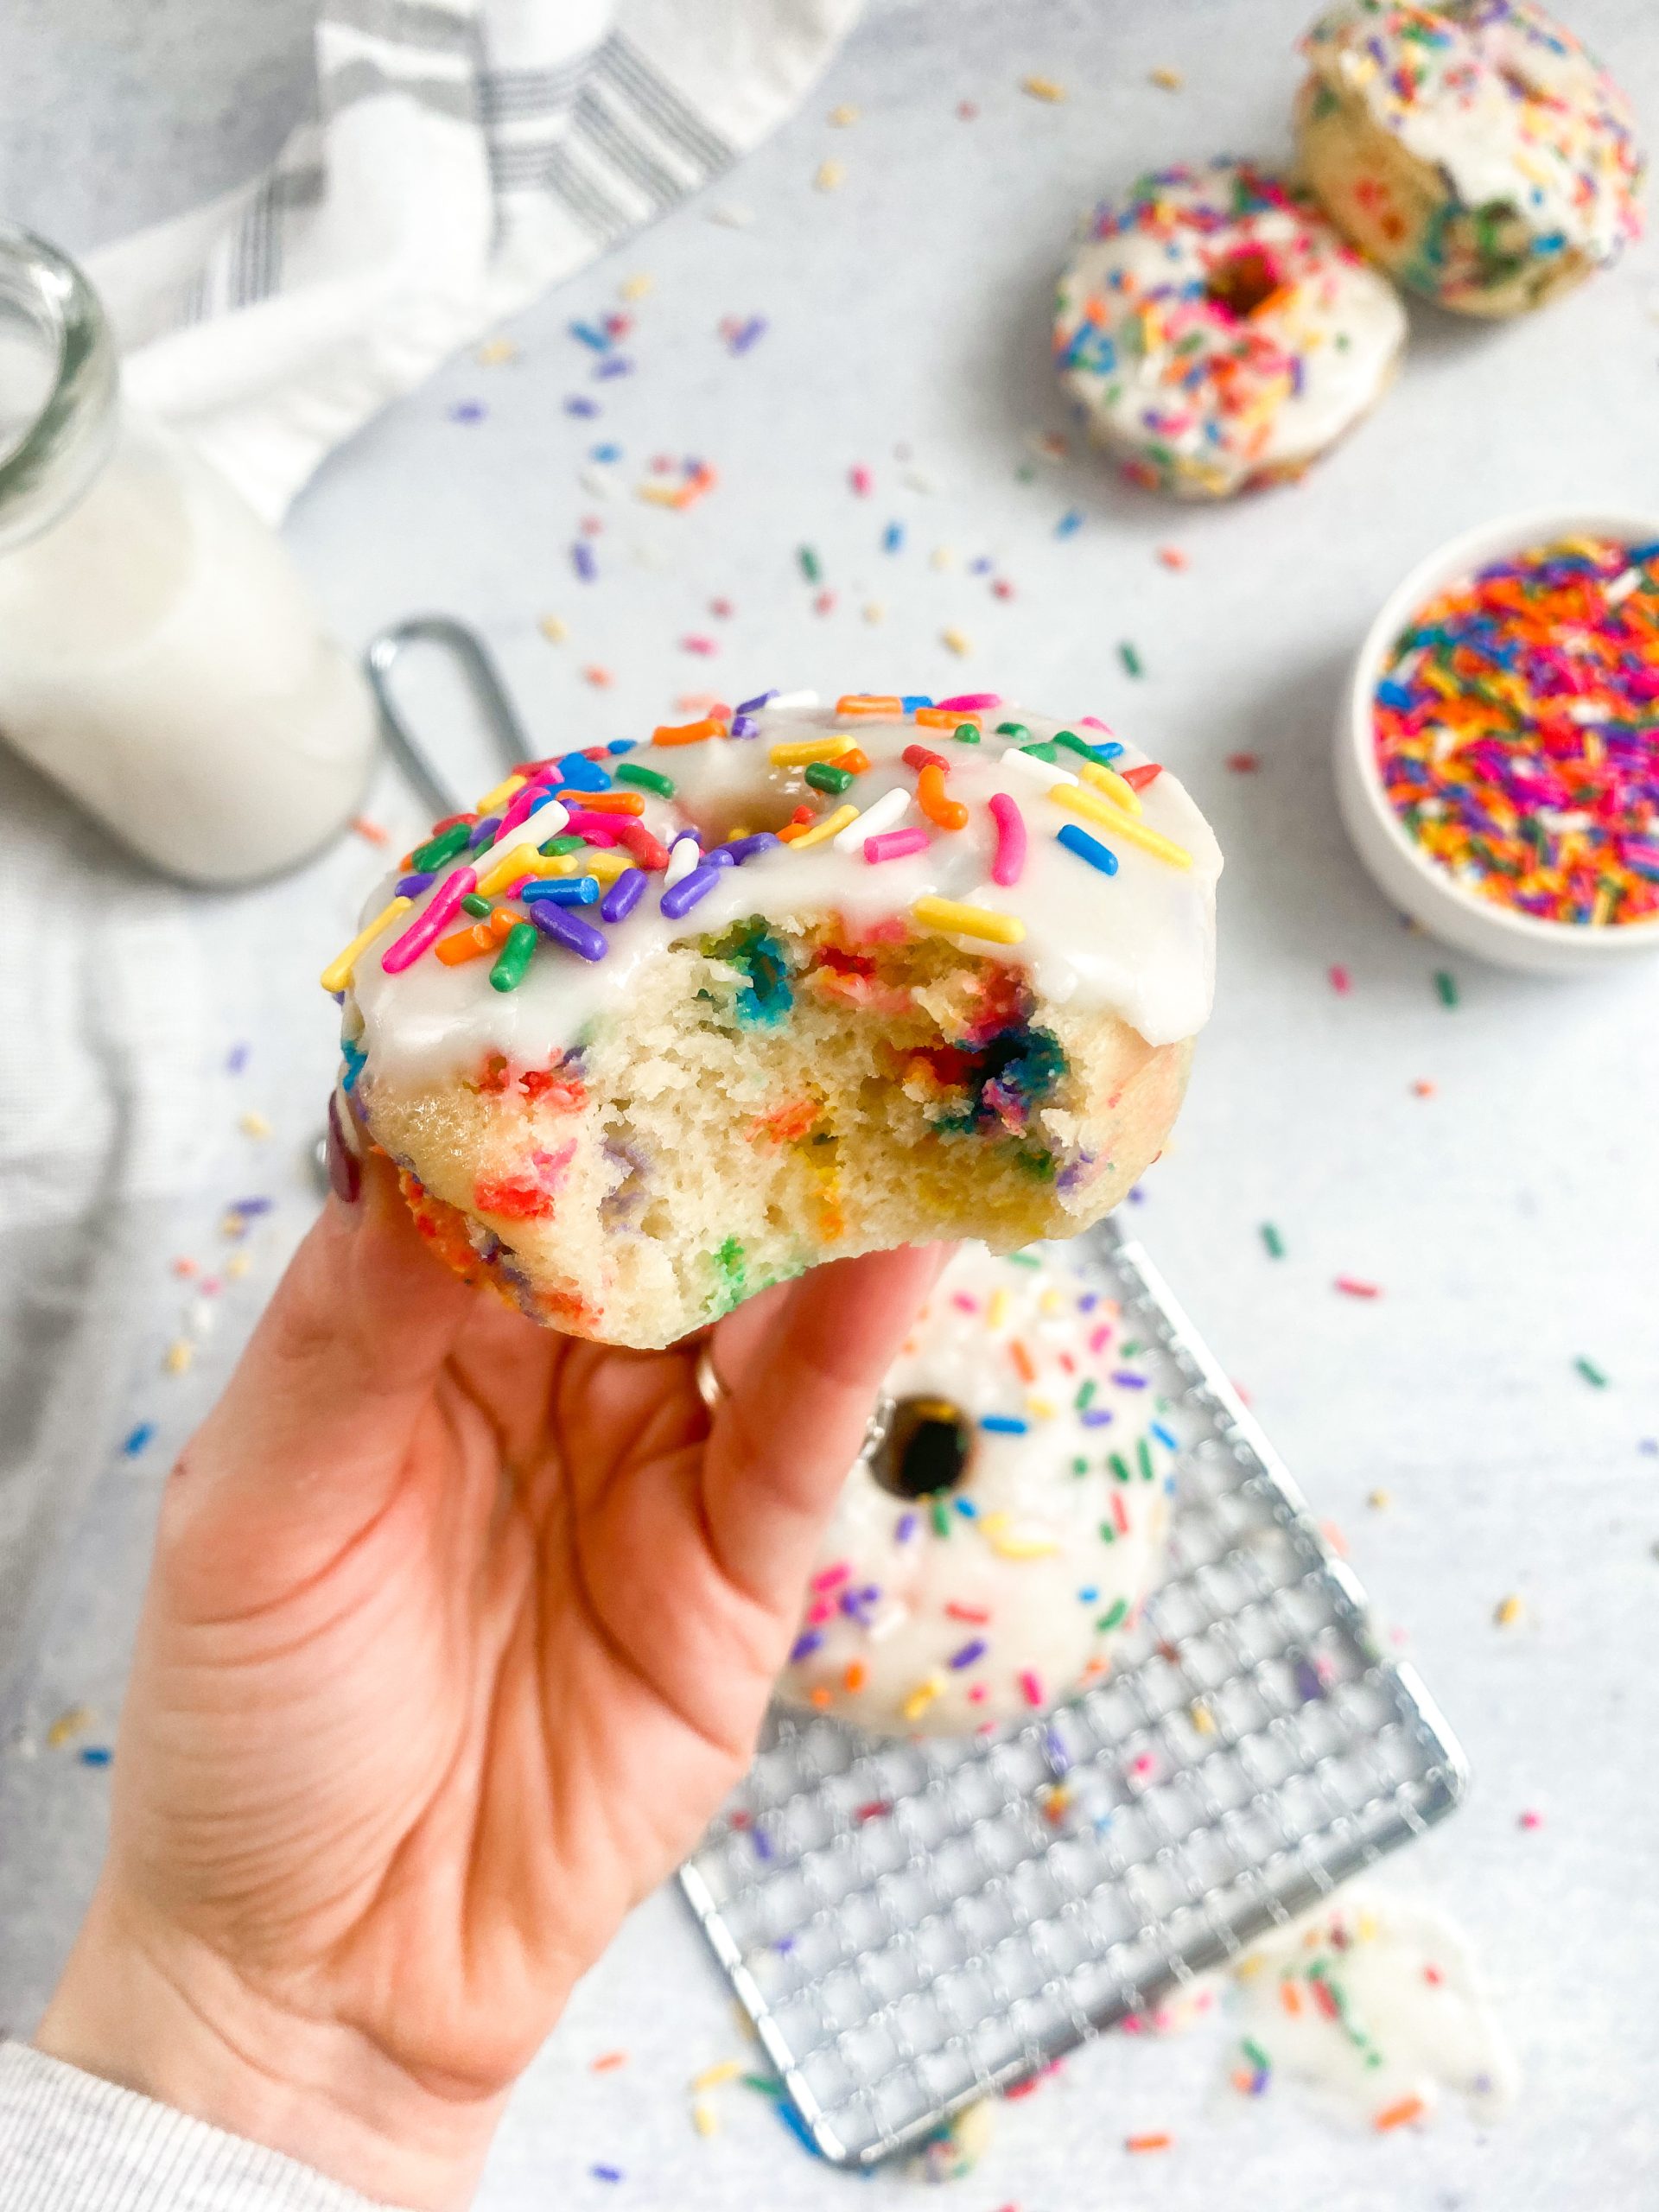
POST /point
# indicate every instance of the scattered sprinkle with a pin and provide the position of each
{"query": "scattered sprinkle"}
(1446, 984)
(1167, 80)
(253, 1125)
(1274, 1241)
(1506, 1611)
(1590, 1372)
(957, 640)
(137, 1440)
(1341, 981)
(1043, 88)
(1352, 1286)
(1130, 658)
(67, 1725)
(831, 177)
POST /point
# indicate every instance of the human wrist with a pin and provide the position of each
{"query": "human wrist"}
(175, 2021)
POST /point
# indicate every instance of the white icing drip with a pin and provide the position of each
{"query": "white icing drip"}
(1139, 943)
(1560, 160)
(1334, 326)
(1041, 1622)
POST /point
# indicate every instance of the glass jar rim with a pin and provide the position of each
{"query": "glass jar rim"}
(59, 451)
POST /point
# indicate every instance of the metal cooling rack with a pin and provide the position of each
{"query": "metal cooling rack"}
(910, 1925)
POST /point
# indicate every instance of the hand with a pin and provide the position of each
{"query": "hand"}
(457, 1634)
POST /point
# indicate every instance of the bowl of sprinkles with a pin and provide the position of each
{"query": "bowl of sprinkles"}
(1498, 756)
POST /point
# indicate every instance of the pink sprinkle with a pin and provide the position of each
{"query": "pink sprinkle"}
(1009, 864)
(699, 644)
(820, 1610)
(963, 1303)
(1352, 1286)
(969, 702)
(1093, 721)
(1532, 1820)
(861, 481)
(1172, 556)
(832, 1577)
(403, 952)
(894, 844)
(597, 828)
(1141, 1766)
(1030, 1688)
(1120, 1514)
(977, 1695)
(1101, 1337)
(1341, 981)
(522, 802)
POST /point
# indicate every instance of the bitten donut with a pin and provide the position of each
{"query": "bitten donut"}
(997, 1540)
(1218, 334)
(657, 1025)
(1474, 149)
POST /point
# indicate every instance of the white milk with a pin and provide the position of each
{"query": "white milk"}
(162, 660)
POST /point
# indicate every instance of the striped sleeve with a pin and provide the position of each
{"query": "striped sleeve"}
(72, 2143)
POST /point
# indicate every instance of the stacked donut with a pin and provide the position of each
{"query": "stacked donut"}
(1220, 326)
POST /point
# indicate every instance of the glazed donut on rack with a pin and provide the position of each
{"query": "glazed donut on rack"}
(655, 1025)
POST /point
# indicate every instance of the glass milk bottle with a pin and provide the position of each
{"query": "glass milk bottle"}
(160, 657)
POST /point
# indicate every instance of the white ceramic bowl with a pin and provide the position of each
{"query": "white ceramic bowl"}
(1419, 886)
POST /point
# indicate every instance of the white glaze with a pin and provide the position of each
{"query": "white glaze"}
(1562, 161)
(1296, 374)
(1045, 1605)
(1139, 943)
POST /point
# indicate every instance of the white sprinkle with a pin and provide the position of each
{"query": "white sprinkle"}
(684, 857)
(1622, 587)
(1037, 771)
(535, 829)
(732, 214)
(880, 814)
(601, 482)
(788, 699)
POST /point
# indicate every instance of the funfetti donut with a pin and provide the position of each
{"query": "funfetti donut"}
(996, 1542)
(655, 1025)
(1473, 150)
(1219, 332)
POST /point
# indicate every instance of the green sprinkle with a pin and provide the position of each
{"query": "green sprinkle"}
(966, 732)
(1022, 1260)
(1257, 2057)
(648, 779)
(514, 957)
(728, 1259)
(762, 2084)
(825, 776)
(442, 847)
(1079, 1466)
(1113, 1613)
(1130, 1346)
(941, 1519)
(1590, 1372)
(1130, 658)
(1119, 1465)
(1012, 730)
(555, 846)
(1049, 752)
(1446, 984)
(1108, 1534)
(473, 905)
(1274, 1241)
(1074, 743)
(1143, 1460)
(808, 560)
(1085, 1392)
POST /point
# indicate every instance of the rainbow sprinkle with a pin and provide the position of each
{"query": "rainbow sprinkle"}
(1515, 732)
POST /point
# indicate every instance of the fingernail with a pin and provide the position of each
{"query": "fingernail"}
(345, 1171)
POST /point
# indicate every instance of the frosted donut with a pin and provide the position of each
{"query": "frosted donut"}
(1218, 334)
(983, 1559)
(930, 971)
(1473, 150)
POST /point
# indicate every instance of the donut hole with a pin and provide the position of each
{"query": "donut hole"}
(925, 1452)
(1242, 281)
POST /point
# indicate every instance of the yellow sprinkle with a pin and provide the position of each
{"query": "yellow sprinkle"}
(1365, 1926)
(921, 1697)
(494, 351)
(711, 2077)
(337, 973)
(1103, 780)
(1023, 1547)
(997, 1311)
(554, 628)
(636, 287)
(1051, 1301)
(831, 177)
(951, 917)
(253, 1124)
(1168, 80)
(236, 1266)
(830, 827)
(1507, 1613)
(1377, 1499)
(1040, 1409)
(68, 1725)
(1201, 1718)
(178, 1356)
(810, 748)
(502, 792)
(958, 640)
(1077, 798)
(703, 2118)
(873, 611)
(657, 494)
(843, 116)
(1043, 88)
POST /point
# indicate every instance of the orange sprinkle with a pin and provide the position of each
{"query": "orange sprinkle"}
(687, 733)
(822, 1697)
(605, 802)
(943, 718)
(868, 702)
(1147, 2142)
(370, 832)
(464, 945)
(1290, 1997)
(855, 763)
(1397, 2115)
(1024, 1363)
(931, 796)
(608, 2062)
(855, 1676)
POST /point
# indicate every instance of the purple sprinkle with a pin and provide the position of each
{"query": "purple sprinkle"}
(981, 567)
(804, 1645)
(745, 849)
(1130, 1381)
(617, 365)
(569, 930)
(760, 699)
(762, 1843)
(578, 404)
(742, 337)
(606, 2173)
(721, 856)
(971, 1651)
(1058, 1757)
(1096, 1416)
(582, 561)
(410, 886)
(467, 411)
(624, 895)
(1308, 1685)
(908, 1524)
(138, 1438)
(744, 726)
(483, 830)
(1088, 1302)
(680, 898)
(237, 1060)
(249, 1207)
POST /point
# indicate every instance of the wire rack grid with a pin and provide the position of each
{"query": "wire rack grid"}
(913, 1925)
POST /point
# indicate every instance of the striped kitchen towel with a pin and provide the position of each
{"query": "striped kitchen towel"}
(460, 155)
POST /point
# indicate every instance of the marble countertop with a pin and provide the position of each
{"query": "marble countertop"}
(1509, 1216)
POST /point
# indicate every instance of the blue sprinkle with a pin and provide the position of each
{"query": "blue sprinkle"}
(591, 334)
(1004, 1424)
(968, 1509)
(1087, 848)
(581, 774)
(356, 1060)
(912, 700)
(95, 1754)
(892, 537)
(622, 745)
(604, 453)
(1393, 695)
(1109, 750)
(138, 1438)
(1089, 1596)
(1164, 1436)
(1070, 523)
(762, 1843)
(797, 2126)
(562, 891)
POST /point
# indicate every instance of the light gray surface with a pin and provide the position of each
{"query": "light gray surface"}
(1511, 1219)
